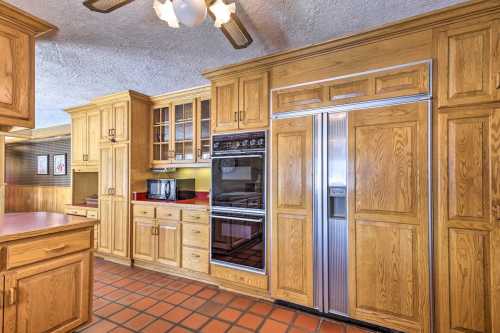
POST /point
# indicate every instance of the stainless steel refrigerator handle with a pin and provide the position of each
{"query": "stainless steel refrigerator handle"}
(237, 218)
(236, 156)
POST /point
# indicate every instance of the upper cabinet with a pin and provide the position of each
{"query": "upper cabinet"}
(85, 137)
(181, 128)
(468, 63)
(241, 103)
(18, 31)
(381, 83)
(114, 121)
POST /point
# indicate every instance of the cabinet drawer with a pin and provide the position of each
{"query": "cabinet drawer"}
(92, 214)
(301, 98)
(195, 216)
(195, 235)
(27, 252)
(76, 211)
(195, 259)
(168, 213)
(144, 211)
(252, 280)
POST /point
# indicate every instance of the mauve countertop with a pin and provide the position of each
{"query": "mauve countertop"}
(14, 226)
(187, 203)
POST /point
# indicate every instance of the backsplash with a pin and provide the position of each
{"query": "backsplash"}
(202, 176)
(21, 162)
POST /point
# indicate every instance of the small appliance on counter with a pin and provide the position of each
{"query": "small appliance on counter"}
(171, 189)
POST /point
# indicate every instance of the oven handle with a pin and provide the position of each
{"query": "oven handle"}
(237, 218)
(236, 156)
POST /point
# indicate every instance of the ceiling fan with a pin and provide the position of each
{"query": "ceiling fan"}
(190, 13)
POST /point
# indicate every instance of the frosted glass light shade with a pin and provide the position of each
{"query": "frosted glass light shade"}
(190, 12)
(165, 11)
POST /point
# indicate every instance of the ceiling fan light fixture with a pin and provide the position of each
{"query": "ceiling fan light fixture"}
(236, 33)
(165, 12)
(190, 12)
(105, 6)
(222, 12)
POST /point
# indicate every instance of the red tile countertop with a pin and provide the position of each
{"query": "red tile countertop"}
(201, 199)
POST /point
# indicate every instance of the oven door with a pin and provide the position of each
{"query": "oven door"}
(239, 181)
(239, 240)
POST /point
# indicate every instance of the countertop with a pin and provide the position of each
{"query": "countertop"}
(188, 203)
(14, 226)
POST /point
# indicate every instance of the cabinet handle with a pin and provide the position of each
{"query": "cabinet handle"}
(198, 153)
(57, 248)
(498, 80)
(195, 231)
(195, 255)
(11, 297)
(109, 132)
(153, 231)
(242, 115)
(236, 116)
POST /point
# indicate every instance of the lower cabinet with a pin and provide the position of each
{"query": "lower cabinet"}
(113, 227)
(51, 296)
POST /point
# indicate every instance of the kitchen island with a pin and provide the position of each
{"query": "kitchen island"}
(46, 270)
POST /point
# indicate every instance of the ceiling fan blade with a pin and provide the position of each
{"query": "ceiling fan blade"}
(105, 6)
(235, 32)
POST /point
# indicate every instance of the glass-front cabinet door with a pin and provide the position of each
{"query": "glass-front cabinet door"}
(203, 131)
(162, 147)
(183, 138)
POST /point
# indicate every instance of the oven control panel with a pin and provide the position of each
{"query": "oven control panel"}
(240, 142)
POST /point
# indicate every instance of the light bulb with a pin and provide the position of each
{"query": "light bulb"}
(190, 12)
(222, 12)
(165, 12)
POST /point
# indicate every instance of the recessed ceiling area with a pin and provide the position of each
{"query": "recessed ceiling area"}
(96, 54)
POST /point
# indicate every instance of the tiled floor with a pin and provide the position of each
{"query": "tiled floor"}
(136, 300)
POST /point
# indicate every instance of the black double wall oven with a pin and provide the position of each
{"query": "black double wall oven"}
(238, 201)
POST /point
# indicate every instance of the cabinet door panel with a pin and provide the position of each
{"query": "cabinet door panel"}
(106, 171)
(254, 101)
(78, 138)
(466, 55)
(92, 141)
(120, 121)
(225, 105)
(168, 244)
(203, 131)
(120, 228)
(121, 171)
(106, 221)
(51, 297)
(388, 217)
(144, 239)
(16, 77)
(106, 122)
(292, 251)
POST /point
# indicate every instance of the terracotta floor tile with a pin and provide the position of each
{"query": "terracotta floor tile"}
(250, 321)
(103, 326)
(104, 291)
(191, 289)
(332, 327)
(98, 285)
(139, 322)
(298, 330)
(207, 293)
(162, 294)
(176, 298)
(124, 315)
(121, 329)
(159, 309)
(176, 315)
(241, 303)
(237, 329)
(176, 285)
(148, 290)
(195, 321)
(144, 303)
(193, 303)
(223, 298)
(230, 315)
(261, 308)
(283, 315)
(117, 294)
(108, 310)
(178, 329)
(122, 283)
(158, 326)
(273, 326)
(135, 286)
(210, 308)
(354, 329)
(129, 299)
(305, 321)
(99, 303)
(215, 326)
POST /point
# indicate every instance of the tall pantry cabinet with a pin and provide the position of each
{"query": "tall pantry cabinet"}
(123, 165)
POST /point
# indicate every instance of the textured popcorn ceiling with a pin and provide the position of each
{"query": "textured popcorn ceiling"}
(96, 54)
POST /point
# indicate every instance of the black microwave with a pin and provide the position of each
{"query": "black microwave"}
(171, 189)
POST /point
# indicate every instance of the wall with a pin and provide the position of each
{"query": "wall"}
(21, 162)
(202, 176)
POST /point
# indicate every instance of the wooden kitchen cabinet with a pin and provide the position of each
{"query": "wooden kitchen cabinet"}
(18, 31)
(468, 226)
(84, 137)
(168, 243)
(52, 296)
(144, 245)
(241, 103)
(181, 129)
(469, 64)
(115, 122)
(388, 216)
(292, 210)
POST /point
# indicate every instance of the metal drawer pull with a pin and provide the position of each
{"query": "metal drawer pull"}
(195, 231)
(57, 248)
(498, 81)
(195, 255)
(11, 298)
(237, 218)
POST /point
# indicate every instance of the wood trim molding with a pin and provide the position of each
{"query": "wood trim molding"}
(201, 91)
(36, 26)
(121, 96)
(414, 24)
